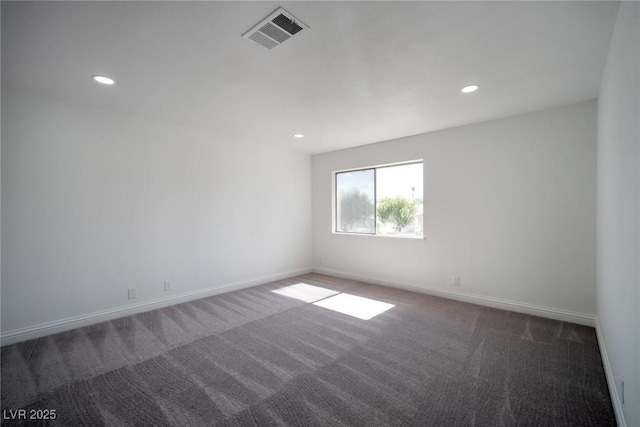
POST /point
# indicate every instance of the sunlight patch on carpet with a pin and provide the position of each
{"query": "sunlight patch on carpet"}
(362, 308)
(306, 293)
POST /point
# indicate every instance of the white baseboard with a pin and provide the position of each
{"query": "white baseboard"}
(48, 328)
(616, 401)
(536, 310)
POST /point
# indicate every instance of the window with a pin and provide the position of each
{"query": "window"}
(380, 200)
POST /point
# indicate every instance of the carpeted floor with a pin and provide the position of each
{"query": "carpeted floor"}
(258, 358)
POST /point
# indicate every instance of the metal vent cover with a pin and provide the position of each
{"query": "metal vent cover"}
(275, 29)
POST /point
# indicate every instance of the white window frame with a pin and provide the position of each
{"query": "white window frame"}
(334, 204)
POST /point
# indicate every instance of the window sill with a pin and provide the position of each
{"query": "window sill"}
(391, 236)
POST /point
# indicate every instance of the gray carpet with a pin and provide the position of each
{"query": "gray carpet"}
(257, 358)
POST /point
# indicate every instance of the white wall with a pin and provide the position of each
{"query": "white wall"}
(94, 203)
(618, 256)
(509, 207)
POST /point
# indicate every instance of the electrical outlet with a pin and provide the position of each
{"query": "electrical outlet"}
(132, 293)
(319, 260)
(167, 285)
(456, 281)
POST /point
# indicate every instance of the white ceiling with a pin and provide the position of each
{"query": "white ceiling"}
(364, 72)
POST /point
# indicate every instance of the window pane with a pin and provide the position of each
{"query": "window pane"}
(399, 200)
(355, 201)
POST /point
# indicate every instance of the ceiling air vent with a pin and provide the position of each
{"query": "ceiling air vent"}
(275, 29)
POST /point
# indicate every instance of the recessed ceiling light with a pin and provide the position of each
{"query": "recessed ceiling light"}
(298, 135)
(469, 89)
(103, 79)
